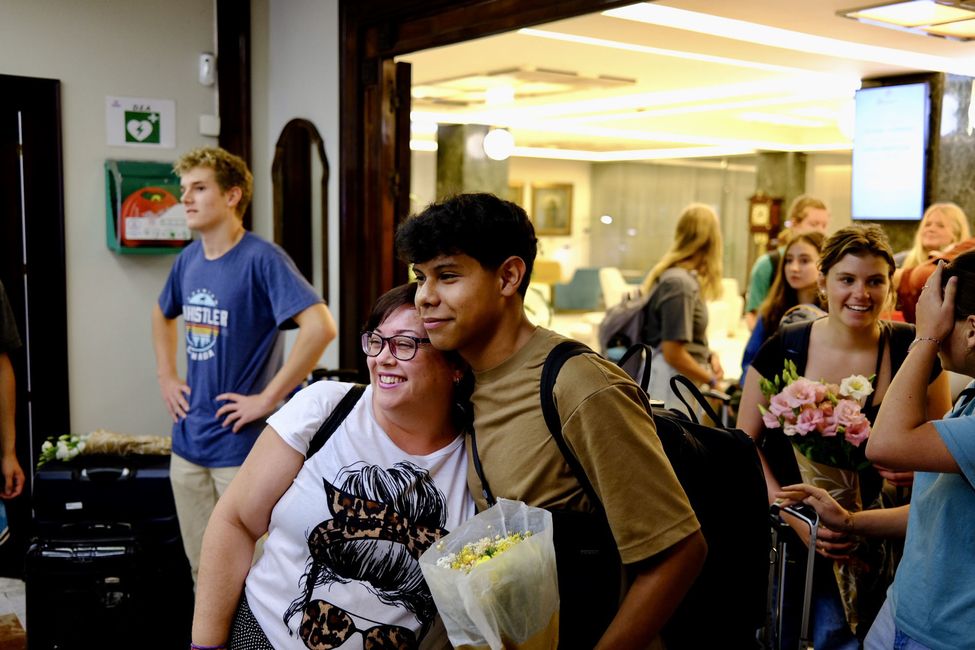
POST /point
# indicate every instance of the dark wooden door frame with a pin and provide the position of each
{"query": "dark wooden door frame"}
(32, 267)
(372, 33)
(37, 286)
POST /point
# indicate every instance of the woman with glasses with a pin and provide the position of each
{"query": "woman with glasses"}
(346, 525)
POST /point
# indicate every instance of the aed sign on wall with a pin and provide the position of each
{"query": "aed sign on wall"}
(140, 122)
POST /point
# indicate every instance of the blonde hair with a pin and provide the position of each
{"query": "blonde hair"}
(698, 239)
(959, 228)
(228, 171)
(797, 214)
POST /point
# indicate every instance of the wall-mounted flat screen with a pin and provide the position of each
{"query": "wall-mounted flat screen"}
(890, 142)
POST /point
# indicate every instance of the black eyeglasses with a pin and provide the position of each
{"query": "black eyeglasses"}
(401, 346)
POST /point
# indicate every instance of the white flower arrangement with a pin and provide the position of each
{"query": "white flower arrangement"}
(69, 445)
(64, 447)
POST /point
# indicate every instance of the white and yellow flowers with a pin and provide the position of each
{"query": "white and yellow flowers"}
(479, 552)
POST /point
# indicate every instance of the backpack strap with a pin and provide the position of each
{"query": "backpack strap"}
(334, 419)
(795, 341)
(646, 355)
(550, 372)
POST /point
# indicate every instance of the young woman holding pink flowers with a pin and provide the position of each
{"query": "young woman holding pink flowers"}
(856, 266)
(929, 605)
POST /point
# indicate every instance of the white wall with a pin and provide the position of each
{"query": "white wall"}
(829, 177)
(572, 251)
(110, 47)
(295, 72)
(150, 49)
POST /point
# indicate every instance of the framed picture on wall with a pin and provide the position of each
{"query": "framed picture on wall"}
(552, 208)
(516, 194)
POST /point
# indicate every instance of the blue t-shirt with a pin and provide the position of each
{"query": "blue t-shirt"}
(233, 309)
(933, 595)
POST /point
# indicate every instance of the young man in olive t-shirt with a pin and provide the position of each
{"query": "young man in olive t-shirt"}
(473, 255)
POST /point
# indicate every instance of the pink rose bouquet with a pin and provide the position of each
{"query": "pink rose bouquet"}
(824, 420)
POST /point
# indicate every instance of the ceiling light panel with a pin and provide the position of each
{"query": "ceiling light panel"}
(963, 29)
(517, 83)
(910, 14)
(741, 30)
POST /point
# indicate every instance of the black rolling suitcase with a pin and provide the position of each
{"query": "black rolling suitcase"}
(82, 587)
(779, 574)
(107, 556)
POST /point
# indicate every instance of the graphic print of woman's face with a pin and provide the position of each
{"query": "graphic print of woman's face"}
(381, 521)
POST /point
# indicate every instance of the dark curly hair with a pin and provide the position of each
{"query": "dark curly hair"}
(480, 225)
(962, 267)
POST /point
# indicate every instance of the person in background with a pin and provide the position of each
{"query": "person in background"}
(235, 292)
(345, 527)
(806, 214)
(943, 225)
(13, 474)
(473, 256)
(797, 283)
(943, 234)
(856, 266)
(677, 316)
(930, 604)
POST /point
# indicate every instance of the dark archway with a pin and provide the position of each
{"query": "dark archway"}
(299, 175)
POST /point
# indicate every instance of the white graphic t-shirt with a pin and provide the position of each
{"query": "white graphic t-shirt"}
(340, 563)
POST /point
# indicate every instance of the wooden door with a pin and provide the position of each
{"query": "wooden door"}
(32, 269)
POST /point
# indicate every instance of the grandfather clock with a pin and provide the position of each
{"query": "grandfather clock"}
(764, 224)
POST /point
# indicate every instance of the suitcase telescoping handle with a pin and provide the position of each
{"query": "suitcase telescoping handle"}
(104, 473)
(808, 515)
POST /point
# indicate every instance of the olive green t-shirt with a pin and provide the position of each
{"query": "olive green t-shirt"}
(608, 429)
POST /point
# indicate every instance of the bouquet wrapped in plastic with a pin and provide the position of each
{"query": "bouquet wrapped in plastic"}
(494, 579)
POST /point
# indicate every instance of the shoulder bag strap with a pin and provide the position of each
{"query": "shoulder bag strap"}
(334, 419)
(479, 470)
(550, 372)
(881, 346)
(675, 386)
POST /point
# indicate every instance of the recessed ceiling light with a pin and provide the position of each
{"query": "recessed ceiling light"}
(657, 51)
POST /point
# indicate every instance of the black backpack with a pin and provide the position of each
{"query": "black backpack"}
(720, 471)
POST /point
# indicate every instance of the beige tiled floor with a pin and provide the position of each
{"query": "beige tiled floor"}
(12, 600)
